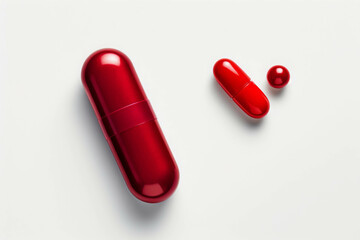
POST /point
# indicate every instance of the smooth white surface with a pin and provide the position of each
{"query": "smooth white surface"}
(293, 175)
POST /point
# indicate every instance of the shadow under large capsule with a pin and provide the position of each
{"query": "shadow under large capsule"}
(129, 125)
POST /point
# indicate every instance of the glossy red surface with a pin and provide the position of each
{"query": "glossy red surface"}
(278, 76)
(239, 87)
(129, 125)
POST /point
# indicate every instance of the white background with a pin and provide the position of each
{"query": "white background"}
(293, 175)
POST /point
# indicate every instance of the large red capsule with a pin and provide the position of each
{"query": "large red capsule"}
(129, 125)
(238, 86)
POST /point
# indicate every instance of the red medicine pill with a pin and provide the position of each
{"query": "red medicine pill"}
(129, 125)
(238, 86)
(278, 76)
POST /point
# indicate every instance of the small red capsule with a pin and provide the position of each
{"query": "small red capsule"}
(278, 76)
(241, 89)
(129, 125)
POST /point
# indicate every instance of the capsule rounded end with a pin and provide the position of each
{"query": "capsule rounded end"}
(158, 191)
(230, 76)
(99, 59)
(253, 101)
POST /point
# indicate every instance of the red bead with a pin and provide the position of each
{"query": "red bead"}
(129, 125)
(238, 86)
(278, 76)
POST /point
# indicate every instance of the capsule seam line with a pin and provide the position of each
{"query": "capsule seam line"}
(109, 114)
(118, 133)
(241, 90)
